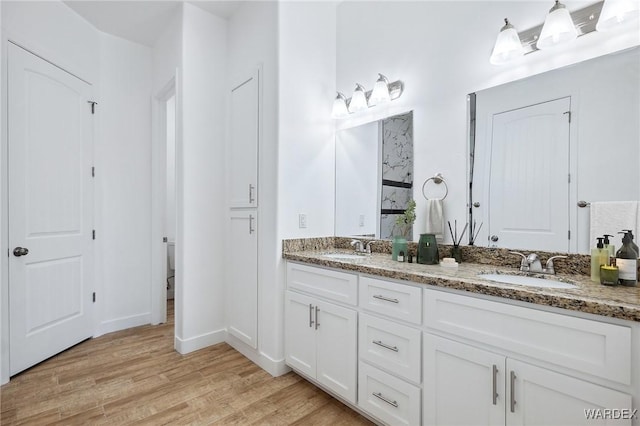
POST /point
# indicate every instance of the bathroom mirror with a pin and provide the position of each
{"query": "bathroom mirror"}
(541, 145)
(374, 176)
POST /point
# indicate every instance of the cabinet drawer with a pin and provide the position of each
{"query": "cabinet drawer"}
(388, 398)
(333, 285)
(391, 346)
(592, 347)
(395, 300)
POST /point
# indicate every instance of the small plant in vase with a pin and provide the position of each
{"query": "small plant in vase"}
(404, 224)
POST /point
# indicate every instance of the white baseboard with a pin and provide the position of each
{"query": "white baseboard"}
(122, 323)
(272, 366)
(185, 346)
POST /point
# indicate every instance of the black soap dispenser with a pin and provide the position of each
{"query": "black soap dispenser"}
(627, 261)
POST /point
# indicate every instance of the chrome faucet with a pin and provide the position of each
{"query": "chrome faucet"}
(531, 263)
(361, 247)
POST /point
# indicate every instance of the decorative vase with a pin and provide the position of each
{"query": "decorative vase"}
(428, 250)
(399, 245)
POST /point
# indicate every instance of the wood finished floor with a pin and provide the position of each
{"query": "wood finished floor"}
(135, 377)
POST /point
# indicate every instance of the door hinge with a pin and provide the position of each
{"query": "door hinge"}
(93, 106)
(568, 113)
(93, 172)
(569, 178)
(94, 297)
(93, 234)
(165, 239)
(569, 235)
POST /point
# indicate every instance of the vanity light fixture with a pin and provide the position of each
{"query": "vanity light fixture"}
(616, 13)
(382, 92)
(508, 45)
(340, 106)
(558, 28)
(358, 99)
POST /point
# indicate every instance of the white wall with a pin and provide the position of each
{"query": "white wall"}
(307, 56)
(123, 180)
(253, 41)
(200, 282)
(170, 230)
(167, 53)
(441, 49)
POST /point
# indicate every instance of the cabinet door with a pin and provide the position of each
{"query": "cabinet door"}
(242, 291)
(300, 333)
(463, 385)
(336, 342)
(538, 396)
(243, 143)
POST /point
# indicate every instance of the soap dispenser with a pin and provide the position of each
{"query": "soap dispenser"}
(633, 245)
(599, 257)
(609, 246)
(627, 261)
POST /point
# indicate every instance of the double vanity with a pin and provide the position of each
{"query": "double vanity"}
(479, 344)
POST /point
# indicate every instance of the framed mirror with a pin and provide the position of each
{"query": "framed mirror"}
(543, 148)
(374, 176)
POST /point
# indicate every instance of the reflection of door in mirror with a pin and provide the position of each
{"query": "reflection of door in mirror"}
(529, 196)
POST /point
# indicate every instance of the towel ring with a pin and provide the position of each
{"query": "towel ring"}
(437, 179)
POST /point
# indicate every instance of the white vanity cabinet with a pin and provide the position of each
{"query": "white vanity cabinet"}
(468, 385)
(321, 336)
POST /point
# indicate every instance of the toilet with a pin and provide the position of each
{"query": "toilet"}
(171, 268)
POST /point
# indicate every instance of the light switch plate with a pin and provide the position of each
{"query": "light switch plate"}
(302, 220)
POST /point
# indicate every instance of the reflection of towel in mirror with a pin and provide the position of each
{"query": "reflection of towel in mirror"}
(611, 217)
(435, 219)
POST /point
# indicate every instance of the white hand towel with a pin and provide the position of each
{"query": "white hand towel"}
(435, 219)
(611, 217)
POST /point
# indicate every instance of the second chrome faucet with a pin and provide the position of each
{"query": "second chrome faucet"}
(531, 263)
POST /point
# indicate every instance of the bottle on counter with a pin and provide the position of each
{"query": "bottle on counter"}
(609, 246)
(599, 257)
(627, 261)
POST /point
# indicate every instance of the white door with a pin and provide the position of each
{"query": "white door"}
(299, 333)
(243, 144)
(336, 349)
(242, 302)
(463, 385)
(529, 178)
(50, 209)
(542, 397)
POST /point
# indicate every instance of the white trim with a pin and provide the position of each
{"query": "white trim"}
(122, 324)
(199, 342)
(275, 367)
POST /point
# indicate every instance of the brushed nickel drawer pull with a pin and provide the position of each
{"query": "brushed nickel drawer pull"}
(310, 315)
(384, 345)
(495, 384)
(317, 320)
(386, 299)
(513, 392)
(388, 401)
(251, 197)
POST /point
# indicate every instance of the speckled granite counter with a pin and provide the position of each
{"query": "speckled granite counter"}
(617, 302)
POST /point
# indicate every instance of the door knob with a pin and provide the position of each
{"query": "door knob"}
(20, 251)
(494, 238)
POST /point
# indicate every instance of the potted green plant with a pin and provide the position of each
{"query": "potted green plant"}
(402, 230)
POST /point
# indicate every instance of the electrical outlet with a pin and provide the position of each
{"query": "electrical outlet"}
(361, 220)
(302, 220)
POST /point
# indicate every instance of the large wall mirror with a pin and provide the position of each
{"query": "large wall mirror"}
(374, 176)
(541, 145)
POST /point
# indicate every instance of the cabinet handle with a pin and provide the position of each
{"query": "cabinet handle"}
(251, 228)
(310, 315)
(495, 384)
(386, 299)
(251, 198)
(317, 321)
(513, 392)
(388, 401)
(384, 345)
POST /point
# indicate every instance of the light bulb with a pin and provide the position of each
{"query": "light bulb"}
(508, 45)
(617, 13)
(558, 28)
(358, 99)
(380, 93)
(339, 106)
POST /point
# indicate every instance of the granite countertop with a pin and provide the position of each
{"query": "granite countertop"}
(589, 297)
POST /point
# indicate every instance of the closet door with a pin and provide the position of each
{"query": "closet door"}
(242, 288)
(243, 147)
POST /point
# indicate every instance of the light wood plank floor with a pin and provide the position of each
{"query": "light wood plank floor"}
(135, 377)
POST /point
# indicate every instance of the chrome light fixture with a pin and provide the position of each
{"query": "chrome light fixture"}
(340, 106)
(380, 93)
(508, 45)
(558, 28)
(358, 99)
(616, 13)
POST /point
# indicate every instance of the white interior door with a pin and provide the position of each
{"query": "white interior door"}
(529, 177)
(50, 209)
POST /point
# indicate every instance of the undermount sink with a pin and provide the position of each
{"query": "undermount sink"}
(526, 280)
(344, 256)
